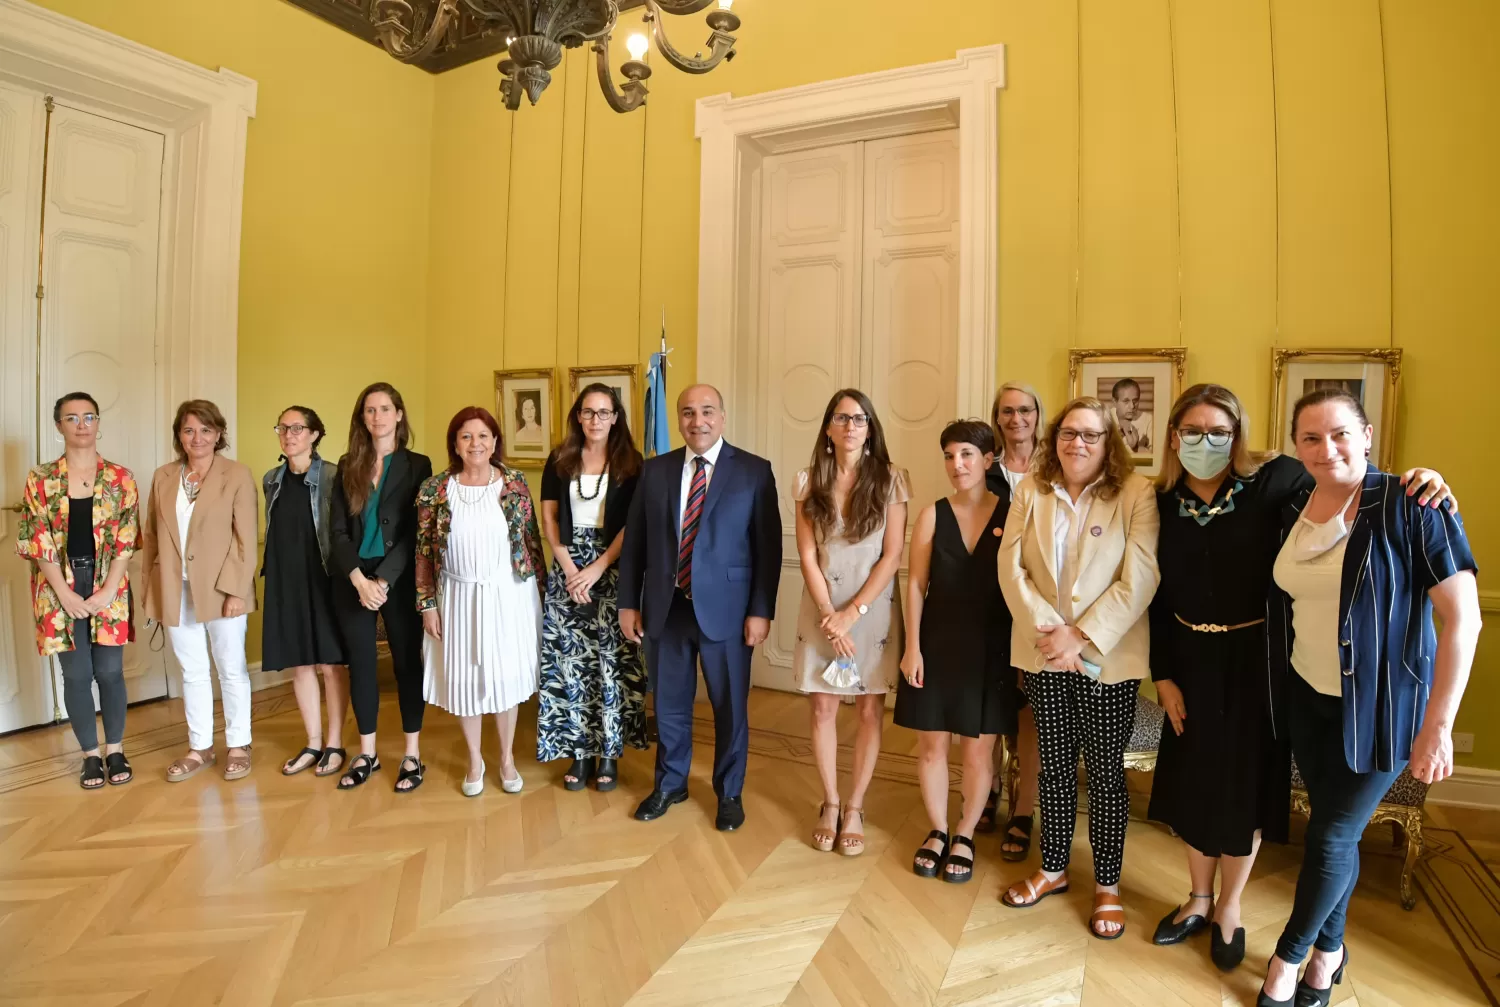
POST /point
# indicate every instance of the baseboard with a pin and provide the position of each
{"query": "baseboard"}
(1468, 787)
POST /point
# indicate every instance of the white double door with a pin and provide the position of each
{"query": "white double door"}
(857, 287)
(80, 225)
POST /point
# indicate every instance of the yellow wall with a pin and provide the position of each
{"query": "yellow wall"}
(333, 257)
(1228, 177)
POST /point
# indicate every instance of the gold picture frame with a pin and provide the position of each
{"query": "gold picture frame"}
(526, 440)
(624, 378)
(1143, 381)
(1363, 373)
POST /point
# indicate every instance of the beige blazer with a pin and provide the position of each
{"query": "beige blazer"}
(1117, 576)
(221, 543)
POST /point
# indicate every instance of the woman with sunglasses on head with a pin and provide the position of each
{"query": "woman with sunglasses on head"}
(78, 528)
(1078, 568)
(1361, 683)
(593, 690)
(851, 529)
(299, 630)
(1221, 779)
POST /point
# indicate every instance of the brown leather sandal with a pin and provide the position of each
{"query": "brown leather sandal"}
(1107, 909)
(237, 766)
(190, 765)
(851, 843)
(823, 838)
(1037, 888)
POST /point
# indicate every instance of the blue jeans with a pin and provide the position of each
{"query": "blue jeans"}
(1342, 803)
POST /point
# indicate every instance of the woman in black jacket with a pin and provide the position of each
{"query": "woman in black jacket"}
(374, 519)
(593, 688)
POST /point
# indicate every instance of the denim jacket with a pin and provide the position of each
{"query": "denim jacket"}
(320, 479)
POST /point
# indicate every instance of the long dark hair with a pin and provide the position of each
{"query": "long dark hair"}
(464, 415)
(359, 460)
(871, 493)
(622, 457)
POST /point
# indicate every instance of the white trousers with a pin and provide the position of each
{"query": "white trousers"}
(191, 641)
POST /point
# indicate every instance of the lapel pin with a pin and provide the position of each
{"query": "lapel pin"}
(1096, 531)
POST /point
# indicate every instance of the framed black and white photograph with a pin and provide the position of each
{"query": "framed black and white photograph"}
(1371, 376)
(620, 377)
(1138, 387)
(523, 405)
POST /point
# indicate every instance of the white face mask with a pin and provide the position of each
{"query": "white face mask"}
(1313, 540)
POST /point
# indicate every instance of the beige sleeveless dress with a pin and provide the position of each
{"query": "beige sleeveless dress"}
(879, 637)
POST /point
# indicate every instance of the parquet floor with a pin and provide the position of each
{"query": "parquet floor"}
(280, 890)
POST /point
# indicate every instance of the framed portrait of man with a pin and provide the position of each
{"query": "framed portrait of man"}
(523, 405)
(1138, 388)
(1371, 376)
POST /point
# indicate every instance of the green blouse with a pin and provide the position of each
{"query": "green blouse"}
(372, 546)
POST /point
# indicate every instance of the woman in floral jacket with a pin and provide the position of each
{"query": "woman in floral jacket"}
(78, 528)
(480, 578)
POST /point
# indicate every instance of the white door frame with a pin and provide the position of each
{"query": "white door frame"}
(204, 115)
(737, 133)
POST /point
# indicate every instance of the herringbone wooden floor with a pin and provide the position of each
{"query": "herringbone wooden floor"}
(280, 890)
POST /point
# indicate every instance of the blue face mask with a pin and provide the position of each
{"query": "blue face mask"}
(1203, 460)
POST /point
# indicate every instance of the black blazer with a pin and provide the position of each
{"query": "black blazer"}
(616, 502)
(398, 519)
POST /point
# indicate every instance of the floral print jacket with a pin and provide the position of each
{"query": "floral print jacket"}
(434, 518)
(43, 536)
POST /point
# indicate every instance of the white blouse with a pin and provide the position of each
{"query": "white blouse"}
(588, 513)
(1313, 585)
(184, 521)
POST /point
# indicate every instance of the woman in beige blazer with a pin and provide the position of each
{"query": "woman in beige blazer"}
(198, 564)
(1078, 569)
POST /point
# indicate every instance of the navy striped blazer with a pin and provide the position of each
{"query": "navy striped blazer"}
(1398, 550)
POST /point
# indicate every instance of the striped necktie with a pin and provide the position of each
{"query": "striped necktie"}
(690, 518)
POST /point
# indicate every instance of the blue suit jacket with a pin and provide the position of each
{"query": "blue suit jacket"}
(736, 557)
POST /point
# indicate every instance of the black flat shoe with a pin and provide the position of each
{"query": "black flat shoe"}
(1309, 996)
(925, 862)
(1021, 824)
(964, 864)
(607, 768)
(1172, 931)
(657, 804)
(731, 814)
(580, 770)
(1227, 954)
(291, 767)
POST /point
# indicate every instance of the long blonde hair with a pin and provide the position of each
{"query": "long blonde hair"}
(1036, 400)
(1243, 462)
(1046, 468)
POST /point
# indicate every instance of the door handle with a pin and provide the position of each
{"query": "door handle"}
(15, 508)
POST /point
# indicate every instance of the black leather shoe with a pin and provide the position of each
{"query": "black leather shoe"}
(731, 814)
(1309, 996)
(657, 803)
(1169, 931)
(1227, 954)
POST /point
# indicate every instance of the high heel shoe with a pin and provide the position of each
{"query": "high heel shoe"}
(1227, 954)
(1310, 996)
(823, 837)
(1263, 999)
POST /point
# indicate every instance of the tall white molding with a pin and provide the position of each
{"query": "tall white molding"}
(736, 132)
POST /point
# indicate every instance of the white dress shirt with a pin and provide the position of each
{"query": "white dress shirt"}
(712, 457)
(185, 509)
(1068, 525)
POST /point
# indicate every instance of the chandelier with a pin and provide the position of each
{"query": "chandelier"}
(537, 32)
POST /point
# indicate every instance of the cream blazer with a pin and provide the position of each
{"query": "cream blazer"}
(1117, 576)
(221, 543)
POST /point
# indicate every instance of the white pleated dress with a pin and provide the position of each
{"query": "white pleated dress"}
(488, 659)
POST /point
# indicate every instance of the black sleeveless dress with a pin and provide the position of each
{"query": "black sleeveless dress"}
(965, 638)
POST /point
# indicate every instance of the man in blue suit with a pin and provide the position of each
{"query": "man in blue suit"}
(698, 577)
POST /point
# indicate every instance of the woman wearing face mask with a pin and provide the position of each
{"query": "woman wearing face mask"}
(1363, 683)
(1221, 779)
(1078, 568)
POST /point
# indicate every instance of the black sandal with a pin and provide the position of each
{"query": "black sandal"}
(324, 769)
(1022, 824)
(93, 770)
(925, 862)
(316, 753)
(359, 771)
(410, 774)
(611, 769)
(580, 770)
(116, 763)
(987, 816)
(965, 864)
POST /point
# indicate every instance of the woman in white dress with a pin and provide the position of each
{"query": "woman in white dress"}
(480, 577)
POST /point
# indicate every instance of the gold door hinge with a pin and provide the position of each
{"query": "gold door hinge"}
(41, 291)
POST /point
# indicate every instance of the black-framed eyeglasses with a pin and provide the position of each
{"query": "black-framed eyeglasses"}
(1216, 438)
(295, 429)
(1011, 412)
(603, 415)
(81, 419)
(857, 420)
(1087, 436)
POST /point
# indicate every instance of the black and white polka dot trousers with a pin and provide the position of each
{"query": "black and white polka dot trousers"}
(1072, 710)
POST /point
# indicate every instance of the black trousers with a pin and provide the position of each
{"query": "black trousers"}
(403, 631)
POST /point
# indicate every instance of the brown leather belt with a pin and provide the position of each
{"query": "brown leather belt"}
(1213, 627)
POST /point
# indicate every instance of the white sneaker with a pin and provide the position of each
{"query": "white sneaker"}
(512, 786)
(473, 788)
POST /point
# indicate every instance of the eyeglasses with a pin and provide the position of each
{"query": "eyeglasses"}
(1216, 438)
(857, 420)
(602, 415)
(1011, 412)
(85, 420)
(295, 429)
(1087, 436)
